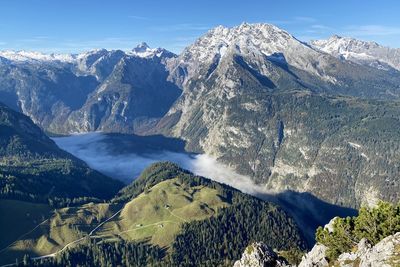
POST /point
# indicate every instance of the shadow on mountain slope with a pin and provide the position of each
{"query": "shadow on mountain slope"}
(308, 210)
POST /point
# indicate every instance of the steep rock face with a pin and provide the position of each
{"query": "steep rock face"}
(252, 98)
(386, 254)
(315, 258)
(97, 90)
(260, 255)
(44, 91)
(270, 53)
(362, 52)
(133, 96)
(98, 63)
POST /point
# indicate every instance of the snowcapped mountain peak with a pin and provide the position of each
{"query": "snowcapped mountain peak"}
(261, 39)
(144, 51)
(361, 52)
(259, 26)
(24, 56)
(339, 43)
(92, 53)
(336, 37)
(83, 59)
(143, 46)
(266, 38)
(255, 43)
(249, 29)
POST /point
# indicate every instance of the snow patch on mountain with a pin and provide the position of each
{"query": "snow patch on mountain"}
(142, 50)
(35, 56)
(362, 52)
(259, 41)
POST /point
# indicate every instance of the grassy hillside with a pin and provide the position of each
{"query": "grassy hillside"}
(158, 213)
(159, 210)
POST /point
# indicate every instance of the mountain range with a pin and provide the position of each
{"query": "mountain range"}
(319, 117)
(361, 52)
(317, 121)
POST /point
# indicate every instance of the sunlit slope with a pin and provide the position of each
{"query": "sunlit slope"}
(157, 213)
(165, 202)
(47, 231)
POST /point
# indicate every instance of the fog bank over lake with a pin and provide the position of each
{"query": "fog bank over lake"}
(124, 157)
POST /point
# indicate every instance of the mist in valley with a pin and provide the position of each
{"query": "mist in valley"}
(99, 152)
(124, 157)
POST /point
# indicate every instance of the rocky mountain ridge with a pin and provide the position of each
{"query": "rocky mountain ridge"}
(141, 50)
(261, 101)
(362, 52)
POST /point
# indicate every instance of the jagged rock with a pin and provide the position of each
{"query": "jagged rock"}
(329, 226)
(315, 258)
(349, 258)
(384, 254)
(260, 255)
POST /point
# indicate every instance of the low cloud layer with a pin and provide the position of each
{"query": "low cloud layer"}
(97, 153)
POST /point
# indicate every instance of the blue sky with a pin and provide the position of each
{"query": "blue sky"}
(78, 25)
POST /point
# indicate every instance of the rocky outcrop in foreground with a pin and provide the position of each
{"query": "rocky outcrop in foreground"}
(384, 254)
(260, 255)
(315, 258)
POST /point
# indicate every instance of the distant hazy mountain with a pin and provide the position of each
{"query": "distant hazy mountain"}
(142, 50)
(24, 56)
(362, 52)
(97, 90)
